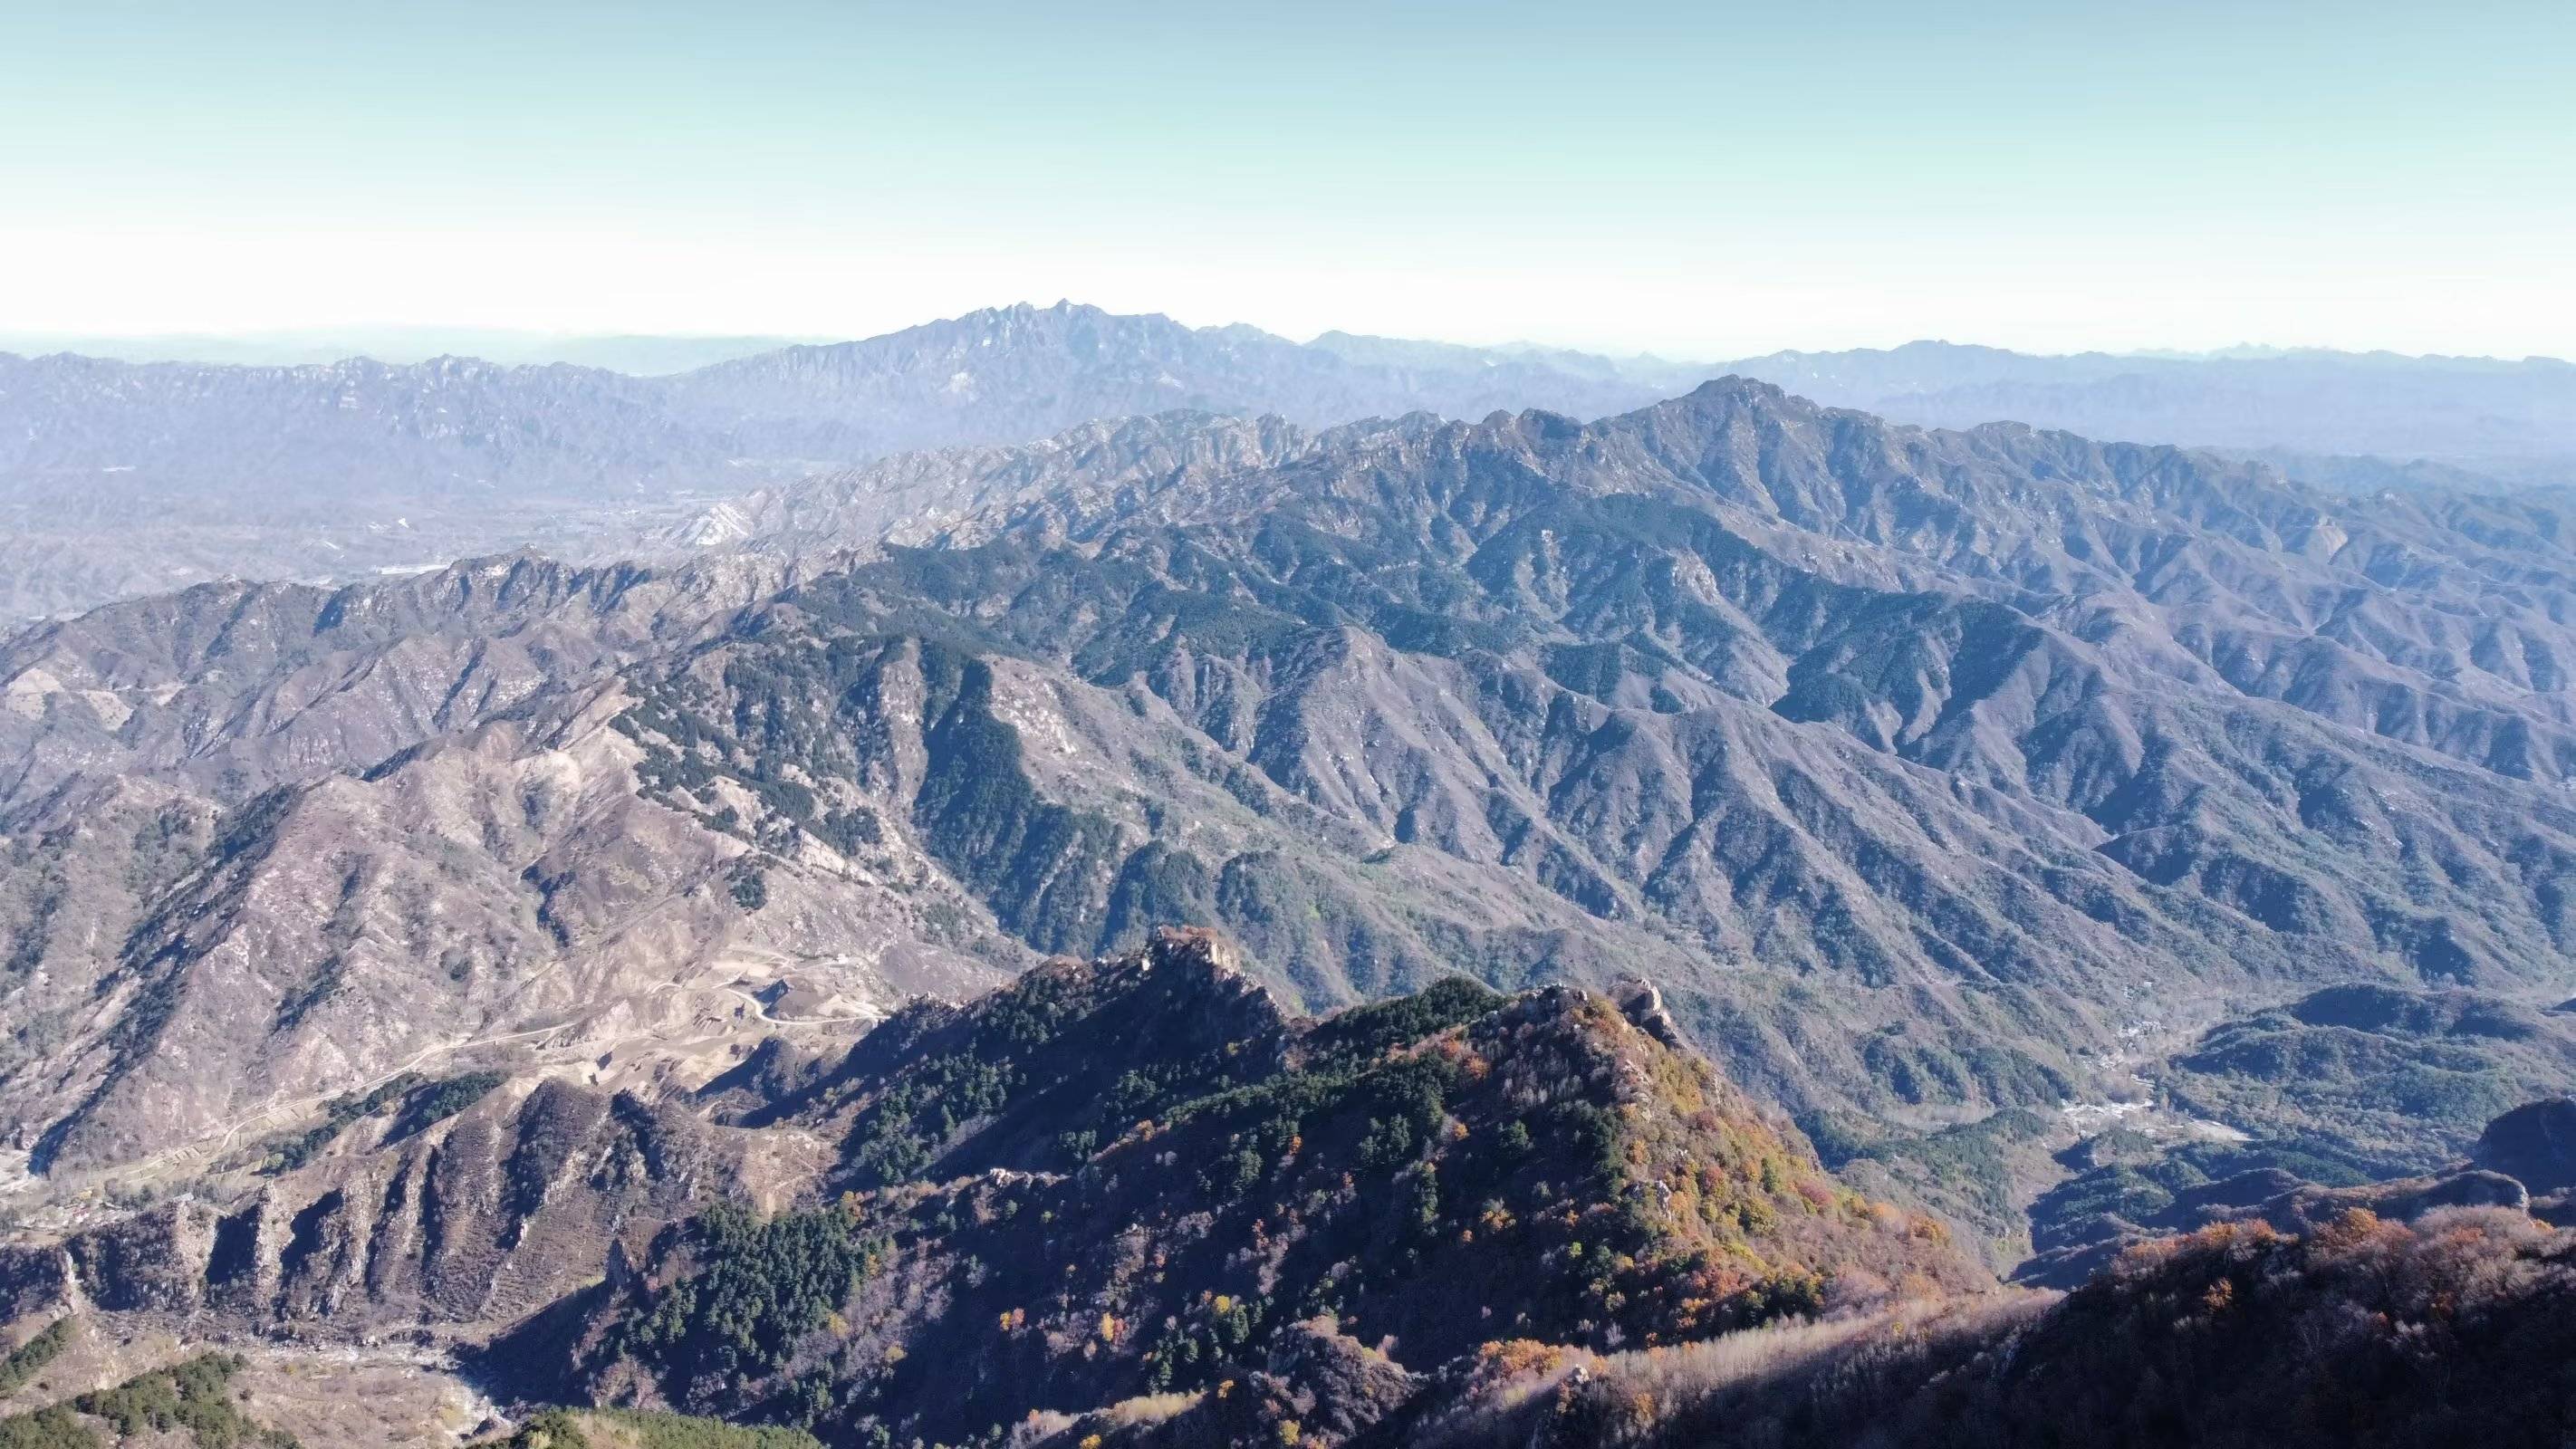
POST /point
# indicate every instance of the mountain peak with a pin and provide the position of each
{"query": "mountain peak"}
(1736, 387)
(1147, 1136)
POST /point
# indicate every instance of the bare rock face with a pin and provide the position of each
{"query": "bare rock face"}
(1643, 1005)
(501, 887)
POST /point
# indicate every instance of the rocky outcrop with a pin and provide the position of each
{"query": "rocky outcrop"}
(478, 1219)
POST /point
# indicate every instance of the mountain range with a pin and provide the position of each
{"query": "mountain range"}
(1806, 862)
(642, 354)
(120, 478)
(2023, 750)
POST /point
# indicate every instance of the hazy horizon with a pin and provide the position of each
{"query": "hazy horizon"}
(399, 343)
(1689, 182)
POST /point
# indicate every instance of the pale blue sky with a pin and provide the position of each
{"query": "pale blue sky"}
(1697, 179)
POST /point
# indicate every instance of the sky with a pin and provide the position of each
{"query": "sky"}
(1699, 180)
